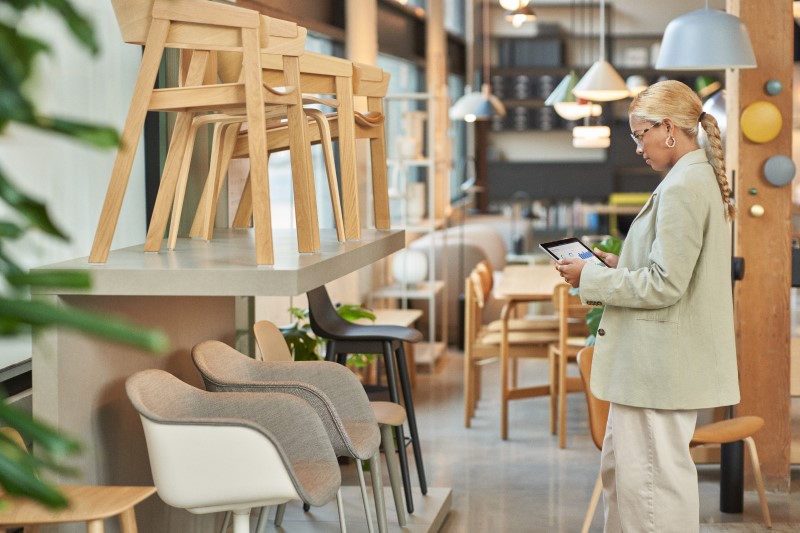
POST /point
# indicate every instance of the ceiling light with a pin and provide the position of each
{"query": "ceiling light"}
(706, 39)
(591, 136)
(520, 16)
(601, 83)
(512, 5)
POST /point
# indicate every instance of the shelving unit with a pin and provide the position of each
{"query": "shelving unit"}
(402, 170)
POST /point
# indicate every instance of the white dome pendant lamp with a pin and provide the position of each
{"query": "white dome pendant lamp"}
(706, 39)
(601, 83)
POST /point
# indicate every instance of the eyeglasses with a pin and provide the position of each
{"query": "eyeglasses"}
(638, 137)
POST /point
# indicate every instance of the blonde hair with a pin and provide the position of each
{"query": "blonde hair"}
(676, 101)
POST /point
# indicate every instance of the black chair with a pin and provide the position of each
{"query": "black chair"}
(345, 337)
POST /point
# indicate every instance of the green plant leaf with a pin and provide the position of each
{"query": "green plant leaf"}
(100, 136)
(80, 26)
(20, 481)
(40, 433)
(10, 230)
(38, 313)
(34, 212)
(593, 319)
(353, 312)
(610, 245)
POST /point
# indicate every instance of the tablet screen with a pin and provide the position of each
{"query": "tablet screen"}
(571, 248)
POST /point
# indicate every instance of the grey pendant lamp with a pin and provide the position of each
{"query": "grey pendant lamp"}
(601, 83)
(479, 105)
(706, 39)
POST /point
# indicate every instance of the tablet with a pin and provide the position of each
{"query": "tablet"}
(570, 248)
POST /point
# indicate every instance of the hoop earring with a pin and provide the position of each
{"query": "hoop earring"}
(667, 142)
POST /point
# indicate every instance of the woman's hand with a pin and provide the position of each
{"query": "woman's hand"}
(607, 257)
(570, 270)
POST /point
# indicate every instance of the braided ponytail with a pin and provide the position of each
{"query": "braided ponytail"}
(717, 160)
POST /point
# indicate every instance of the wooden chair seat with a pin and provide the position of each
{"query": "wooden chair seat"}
(90, 504)
(726, 431)
(525, 324)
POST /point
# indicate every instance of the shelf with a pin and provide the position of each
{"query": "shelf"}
(226, 266)
(421, 291)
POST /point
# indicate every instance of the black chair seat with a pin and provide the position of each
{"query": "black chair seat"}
(344, 338)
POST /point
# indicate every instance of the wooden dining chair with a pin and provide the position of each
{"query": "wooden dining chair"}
(572, 333)
(483, 346)
(200, 28)
(90, 504)
(716, 433)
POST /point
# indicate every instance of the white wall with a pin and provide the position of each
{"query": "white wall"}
(70, 177)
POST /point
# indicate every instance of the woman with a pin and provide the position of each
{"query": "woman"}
(665, 345)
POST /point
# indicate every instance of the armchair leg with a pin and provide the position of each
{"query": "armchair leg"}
(340, 508)
(377, 490)
(226, 522)
(263, 519)
(279, 514)
(364, 497)
(390, 451)
(241, 521)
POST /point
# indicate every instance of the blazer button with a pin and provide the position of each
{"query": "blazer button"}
(601, 332)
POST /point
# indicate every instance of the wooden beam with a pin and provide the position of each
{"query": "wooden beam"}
(761, 299)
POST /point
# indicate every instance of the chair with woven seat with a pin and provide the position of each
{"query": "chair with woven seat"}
(572, 333)
(200, 28)
(333, 391)
(213, 452)
(345, 338)
(272, 347)
(716, 433)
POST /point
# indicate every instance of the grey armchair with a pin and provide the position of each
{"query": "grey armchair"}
(212, 452)
(330, 389)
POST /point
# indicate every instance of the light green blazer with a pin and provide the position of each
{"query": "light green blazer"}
(666, 339)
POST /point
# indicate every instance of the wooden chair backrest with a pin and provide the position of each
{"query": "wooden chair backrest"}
(473, 307)
(13, 435)
(270, 342)
(486, 272)
(598, 409)
(133, 19)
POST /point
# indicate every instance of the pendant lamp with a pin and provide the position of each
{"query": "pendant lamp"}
(591, 137)
(520, 15)
(567, 105)
(706, 39)
(601, 83)
(479, 105)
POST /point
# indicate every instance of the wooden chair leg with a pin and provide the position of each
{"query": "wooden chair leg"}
(504, 349)
(134, 122)
(215, 164)
(229, 142)
(257, 144)
(598, 489)
(562, 398)
(180, 188)
(330, 167)
(553, 364)
(380, 178)
(305, 200)
(469, 383)
(127, 521)
(751, 448)
(174, 162)
(244, 213)
(347, 158)
(94, 526)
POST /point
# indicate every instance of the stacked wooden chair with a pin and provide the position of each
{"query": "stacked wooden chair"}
(239, 66)
(199, 28)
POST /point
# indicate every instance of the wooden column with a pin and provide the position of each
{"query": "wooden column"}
(762, 299)
(436, 82)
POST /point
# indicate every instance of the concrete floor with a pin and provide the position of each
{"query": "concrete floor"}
(528, 484)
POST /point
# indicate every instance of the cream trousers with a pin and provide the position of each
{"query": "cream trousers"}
(649, 478)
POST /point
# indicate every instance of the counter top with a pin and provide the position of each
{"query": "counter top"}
(226, 266)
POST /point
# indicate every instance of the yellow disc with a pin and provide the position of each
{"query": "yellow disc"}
(761, 122)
